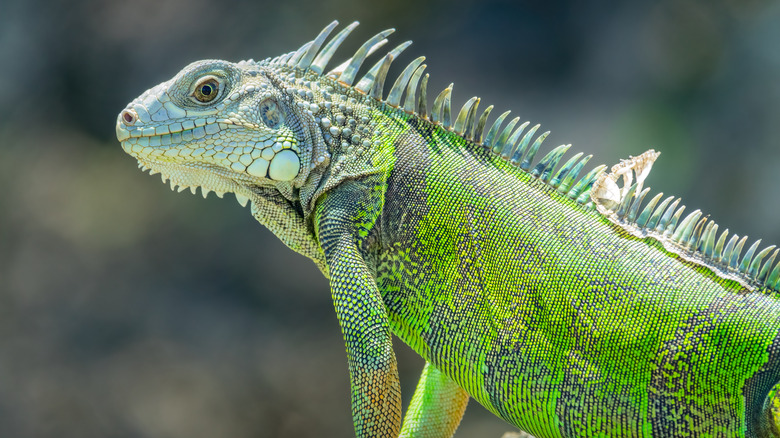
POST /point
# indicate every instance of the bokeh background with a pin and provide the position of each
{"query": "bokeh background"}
(127, 310)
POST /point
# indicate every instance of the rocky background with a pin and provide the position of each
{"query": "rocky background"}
(127, 310)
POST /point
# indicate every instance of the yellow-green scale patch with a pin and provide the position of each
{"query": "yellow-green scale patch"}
(558, 320)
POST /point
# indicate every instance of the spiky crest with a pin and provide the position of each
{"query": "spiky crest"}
(517, 146)
(695, 237)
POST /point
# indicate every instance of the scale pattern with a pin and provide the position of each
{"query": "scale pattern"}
(611, 338)
(547, 292)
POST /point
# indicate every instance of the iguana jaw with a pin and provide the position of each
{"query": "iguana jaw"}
(215, 170)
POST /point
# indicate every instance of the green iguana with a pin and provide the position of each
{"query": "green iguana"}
(564, 304)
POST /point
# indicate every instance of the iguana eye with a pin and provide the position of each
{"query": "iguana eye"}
(271, 114)
(206, 90)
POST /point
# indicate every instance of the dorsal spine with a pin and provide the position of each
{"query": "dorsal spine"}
(694, 237)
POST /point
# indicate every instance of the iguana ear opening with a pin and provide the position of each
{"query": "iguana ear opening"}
(285, 164)
(271, 113)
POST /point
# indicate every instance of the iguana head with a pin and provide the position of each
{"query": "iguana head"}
(224, 127)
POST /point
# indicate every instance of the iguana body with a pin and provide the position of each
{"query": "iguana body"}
(563, 304)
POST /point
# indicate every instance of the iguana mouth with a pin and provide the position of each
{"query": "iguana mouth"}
(188, 129)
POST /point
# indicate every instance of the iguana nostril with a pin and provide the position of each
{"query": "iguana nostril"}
(128, 117)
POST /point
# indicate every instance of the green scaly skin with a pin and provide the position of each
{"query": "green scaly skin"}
(554, 301)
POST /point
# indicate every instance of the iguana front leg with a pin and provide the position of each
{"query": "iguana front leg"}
(344, 217)
(373, 372)
(437, 406)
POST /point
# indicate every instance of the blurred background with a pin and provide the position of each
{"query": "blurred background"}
(127, 310)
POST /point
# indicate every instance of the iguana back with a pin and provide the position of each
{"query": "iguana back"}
(613, 335)
(563, 303)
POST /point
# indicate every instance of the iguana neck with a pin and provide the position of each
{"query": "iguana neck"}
(352, 135)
